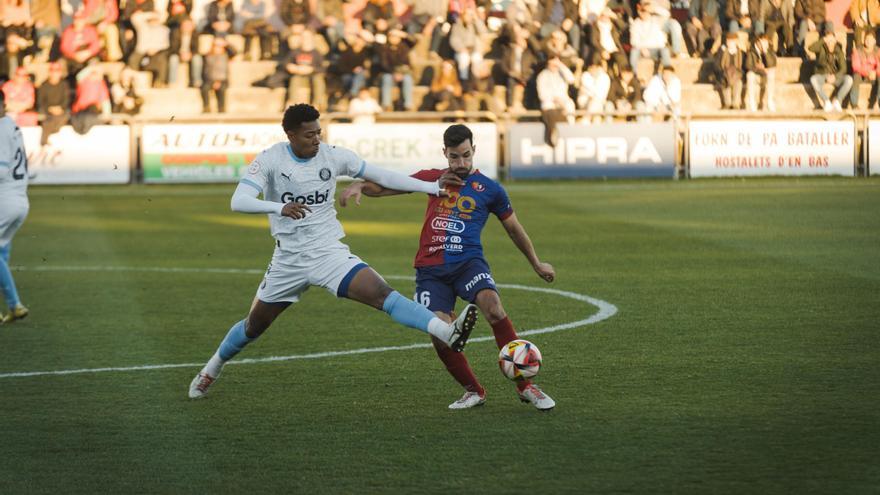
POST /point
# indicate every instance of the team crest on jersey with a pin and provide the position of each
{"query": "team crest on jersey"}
(254, 168)
(325, 174)
(477, 186)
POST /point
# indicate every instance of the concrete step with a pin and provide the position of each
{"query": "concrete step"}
(789, 98)
(696, 70)
(243, 74)
(186, 102)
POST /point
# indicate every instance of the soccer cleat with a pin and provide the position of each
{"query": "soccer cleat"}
(199, 386)
(537, 397)
(462, 327)
(468, 400)
(16, 313)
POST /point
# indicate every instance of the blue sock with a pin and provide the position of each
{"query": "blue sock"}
(407, 312)
(7, 284)
(234, 341)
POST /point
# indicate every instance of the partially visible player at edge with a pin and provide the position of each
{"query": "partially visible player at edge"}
(298, 182)
(450, 260)
(13, 206)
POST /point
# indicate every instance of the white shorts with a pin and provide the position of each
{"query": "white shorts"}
(290, 274)
(12, 215)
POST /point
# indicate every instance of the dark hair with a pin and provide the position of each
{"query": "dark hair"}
(297, 114)
(456, 134)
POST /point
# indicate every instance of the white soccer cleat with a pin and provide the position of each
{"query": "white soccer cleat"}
(199, 386)
(537, 397)
(462, 327)
(468, 400)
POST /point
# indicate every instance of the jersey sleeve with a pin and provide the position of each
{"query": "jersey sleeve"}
(257, 175)
(500, 205)
(347, 162)
(427, 175)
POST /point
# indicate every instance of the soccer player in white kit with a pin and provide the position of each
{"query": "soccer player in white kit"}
(13, 206)
(297, 180)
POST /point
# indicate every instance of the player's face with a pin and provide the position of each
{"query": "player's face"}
(305, 139)
(461, 158)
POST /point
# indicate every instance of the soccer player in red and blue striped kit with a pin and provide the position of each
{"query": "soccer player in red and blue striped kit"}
(450, 260)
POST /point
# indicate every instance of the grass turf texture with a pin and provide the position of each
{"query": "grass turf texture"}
(743, 358)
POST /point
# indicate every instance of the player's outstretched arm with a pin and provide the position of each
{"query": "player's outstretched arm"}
(371, 189)
(400, 182)
(522, 241)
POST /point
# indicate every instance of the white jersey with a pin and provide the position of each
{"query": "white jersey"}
(283, 177)
(13, 161)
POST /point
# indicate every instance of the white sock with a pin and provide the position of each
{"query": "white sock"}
(440, 329)
(214, 366)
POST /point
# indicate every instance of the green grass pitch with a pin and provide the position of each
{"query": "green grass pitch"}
(743, 359)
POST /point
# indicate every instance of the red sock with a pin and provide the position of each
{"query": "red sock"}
(457, 365)
(504, 333)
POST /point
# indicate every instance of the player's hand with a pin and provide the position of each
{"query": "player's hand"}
(353, 191)
(545, 271)
(295, 210)
(449, 179)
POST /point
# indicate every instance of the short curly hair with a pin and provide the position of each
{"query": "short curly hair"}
(297, 114)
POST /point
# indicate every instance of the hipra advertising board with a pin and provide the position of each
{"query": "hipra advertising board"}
(203, 152)
(593, 150)
(102, 156)
(408, 148)
(724, 148)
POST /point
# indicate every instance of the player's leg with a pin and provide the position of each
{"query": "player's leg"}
(438, 296)
(366, 286)
(9, 224)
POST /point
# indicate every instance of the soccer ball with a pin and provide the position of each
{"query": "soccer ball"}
(519, 360)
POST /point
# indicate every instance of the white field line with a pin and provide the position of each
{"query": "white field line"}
(606, 310)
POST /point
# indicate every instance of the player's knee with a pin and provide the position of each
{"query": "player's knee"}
(494, 314)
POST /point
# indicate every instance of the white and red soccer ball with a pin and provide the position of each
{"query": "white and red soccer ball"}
(519, 360)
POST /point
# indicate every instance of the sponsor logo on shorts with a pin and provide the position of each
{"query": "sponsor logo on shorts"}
(447, 224)
(313, 198)
(325, 174)
(480, 276)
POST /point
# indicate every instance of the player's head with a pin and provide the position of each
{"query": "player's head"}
(458, 148)
(303, 130)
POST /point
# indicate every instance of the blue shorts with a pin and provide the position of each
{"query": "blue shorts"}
(438, 286)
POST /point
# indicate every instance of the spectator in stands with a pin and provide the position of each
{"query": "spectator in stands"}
(17, 51)
(178, 11)
(252, 23)
(92, 103)
(128, 31)
(352, 67)
(295, 13)
(53, 102)
(704, 25)
(518, 60)
(20, 98)
(663, 92)
(810, 15)
(557, 43)
(865, 16)
(184, 48)
(123, 94)
(103, 14)
(647, 39)
(79, 43)
(777, 18)
(393, 68)
(761, 74)
(46, 15)
(554, 83)
(866, 67)
(215, 77)
(730, 64)
(741, 14)
(301, 65)
(221, 16)
(480, 92)
(446, 90)
(603, 39)
(831, 68)
(152, 47)
(594, 88)
(661, 11)
(465, 40)
(15, 17)
(375, 10)
(561, 15)
(625, 93)
(364, 108)
(330, 17)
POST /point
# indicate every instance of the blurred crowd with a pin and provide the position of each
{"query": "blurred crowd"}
(554, 55)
